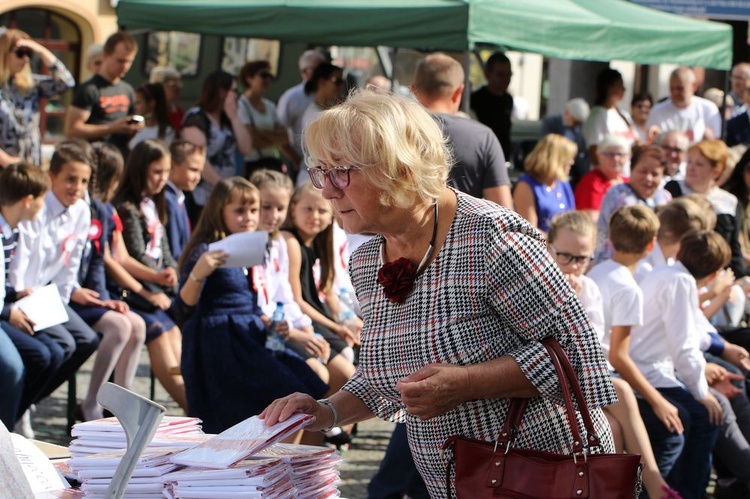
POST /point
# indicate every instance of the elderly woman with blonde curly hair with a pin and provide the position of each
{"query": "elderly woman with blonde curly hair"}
(456, 294)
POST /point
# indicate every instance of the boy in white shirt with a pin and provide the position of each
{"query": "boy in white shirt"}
(632, 230)
(666, 349)
(49, 251)
(571, 241)
(676, 218)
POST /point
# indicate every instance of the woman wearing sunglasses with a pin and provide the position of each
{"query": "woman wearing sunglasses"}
(327, 84)
(20, 94)
(258, 114)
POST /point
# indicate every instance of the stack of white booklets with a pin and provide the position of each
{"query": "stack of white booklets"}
(246, 479)
(315, 473)
(280, 471)
(106, 435)
(244, 461)
(95, 472)
(229, 465)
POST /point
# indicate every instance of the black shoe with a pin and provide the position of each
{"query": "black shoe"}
(339, 439)
(78, 413)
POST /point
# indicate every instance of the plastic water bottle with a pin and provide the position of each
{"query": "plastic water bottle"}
(347, 317)
(274, 342)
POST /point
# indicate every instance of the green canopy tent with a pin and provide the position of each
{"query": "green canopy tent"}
(595, 30)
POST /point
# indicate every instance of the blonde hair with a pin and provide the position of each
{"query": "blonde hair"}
(715, 151)
(550, 157)
(632, 228)
(23, 80)
(578, 222)
(163, 74)
(398, 145)
(323, 243)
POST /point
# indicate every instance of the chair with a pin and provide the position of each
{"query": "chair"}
(140, 418)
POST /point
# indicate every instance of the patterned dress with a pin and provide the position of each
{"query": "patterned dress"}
(492, 291)
(20, 113)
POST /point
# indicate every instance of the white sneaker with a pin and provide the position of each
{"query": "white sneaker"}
(23, 426)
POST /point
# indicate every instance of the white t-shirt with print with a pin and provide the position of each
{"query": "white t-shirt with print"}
(694, 120)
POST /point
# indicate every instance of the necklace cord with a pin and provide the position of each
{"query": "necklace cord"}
(432, 241)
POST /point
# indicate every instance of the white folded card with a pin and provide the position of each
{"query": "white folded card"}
(240, 441)
(44, 306)
(245, 249)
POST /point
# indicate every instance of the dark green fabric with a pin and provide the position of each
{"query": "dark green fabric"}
(598, 30)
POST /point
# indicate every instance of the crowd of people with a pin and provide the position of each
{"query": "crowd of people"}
(121, 223)
(627, 238)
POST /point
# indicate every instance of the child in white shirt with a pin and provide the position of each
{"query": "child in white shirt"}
(666, 349)
(50, 248)
(571, 241)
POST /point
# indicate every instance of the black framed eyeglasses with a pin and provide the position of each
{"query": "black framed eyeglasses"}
(569, 258)
(338, 176)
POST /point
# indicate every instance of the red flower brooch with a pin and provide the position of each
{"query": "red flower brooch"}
(397, 278)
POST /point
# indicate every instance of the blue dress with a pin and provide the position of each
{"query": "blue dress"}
(229, 374)
(549, 200)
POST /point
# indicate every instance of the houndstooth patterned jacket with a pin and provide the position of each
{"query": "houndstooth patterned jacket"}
(492, 290)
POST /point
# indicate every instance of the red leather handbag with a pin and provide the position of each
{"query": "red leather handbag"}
(499, 470)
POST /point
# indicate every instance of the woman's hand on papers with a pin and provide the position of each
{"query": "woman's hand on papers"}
(282, 409)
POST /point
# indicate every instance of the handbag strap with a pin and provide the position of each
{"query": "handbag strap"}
(593, 437)
(568, 383)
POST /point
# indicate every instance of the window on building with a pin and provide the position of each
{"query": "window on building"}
(237, 51)
(177, 49)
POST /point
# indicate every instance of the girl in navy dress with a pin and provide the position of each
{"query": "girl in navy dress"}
(229, 374)
(123, 332)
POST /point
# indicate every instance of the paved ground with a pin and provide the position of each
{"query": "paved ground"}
(361, 461)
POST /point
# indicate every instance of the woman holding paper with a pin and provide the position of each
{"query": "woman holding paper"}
(229, 373)
(140, 203)
(457, 294)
